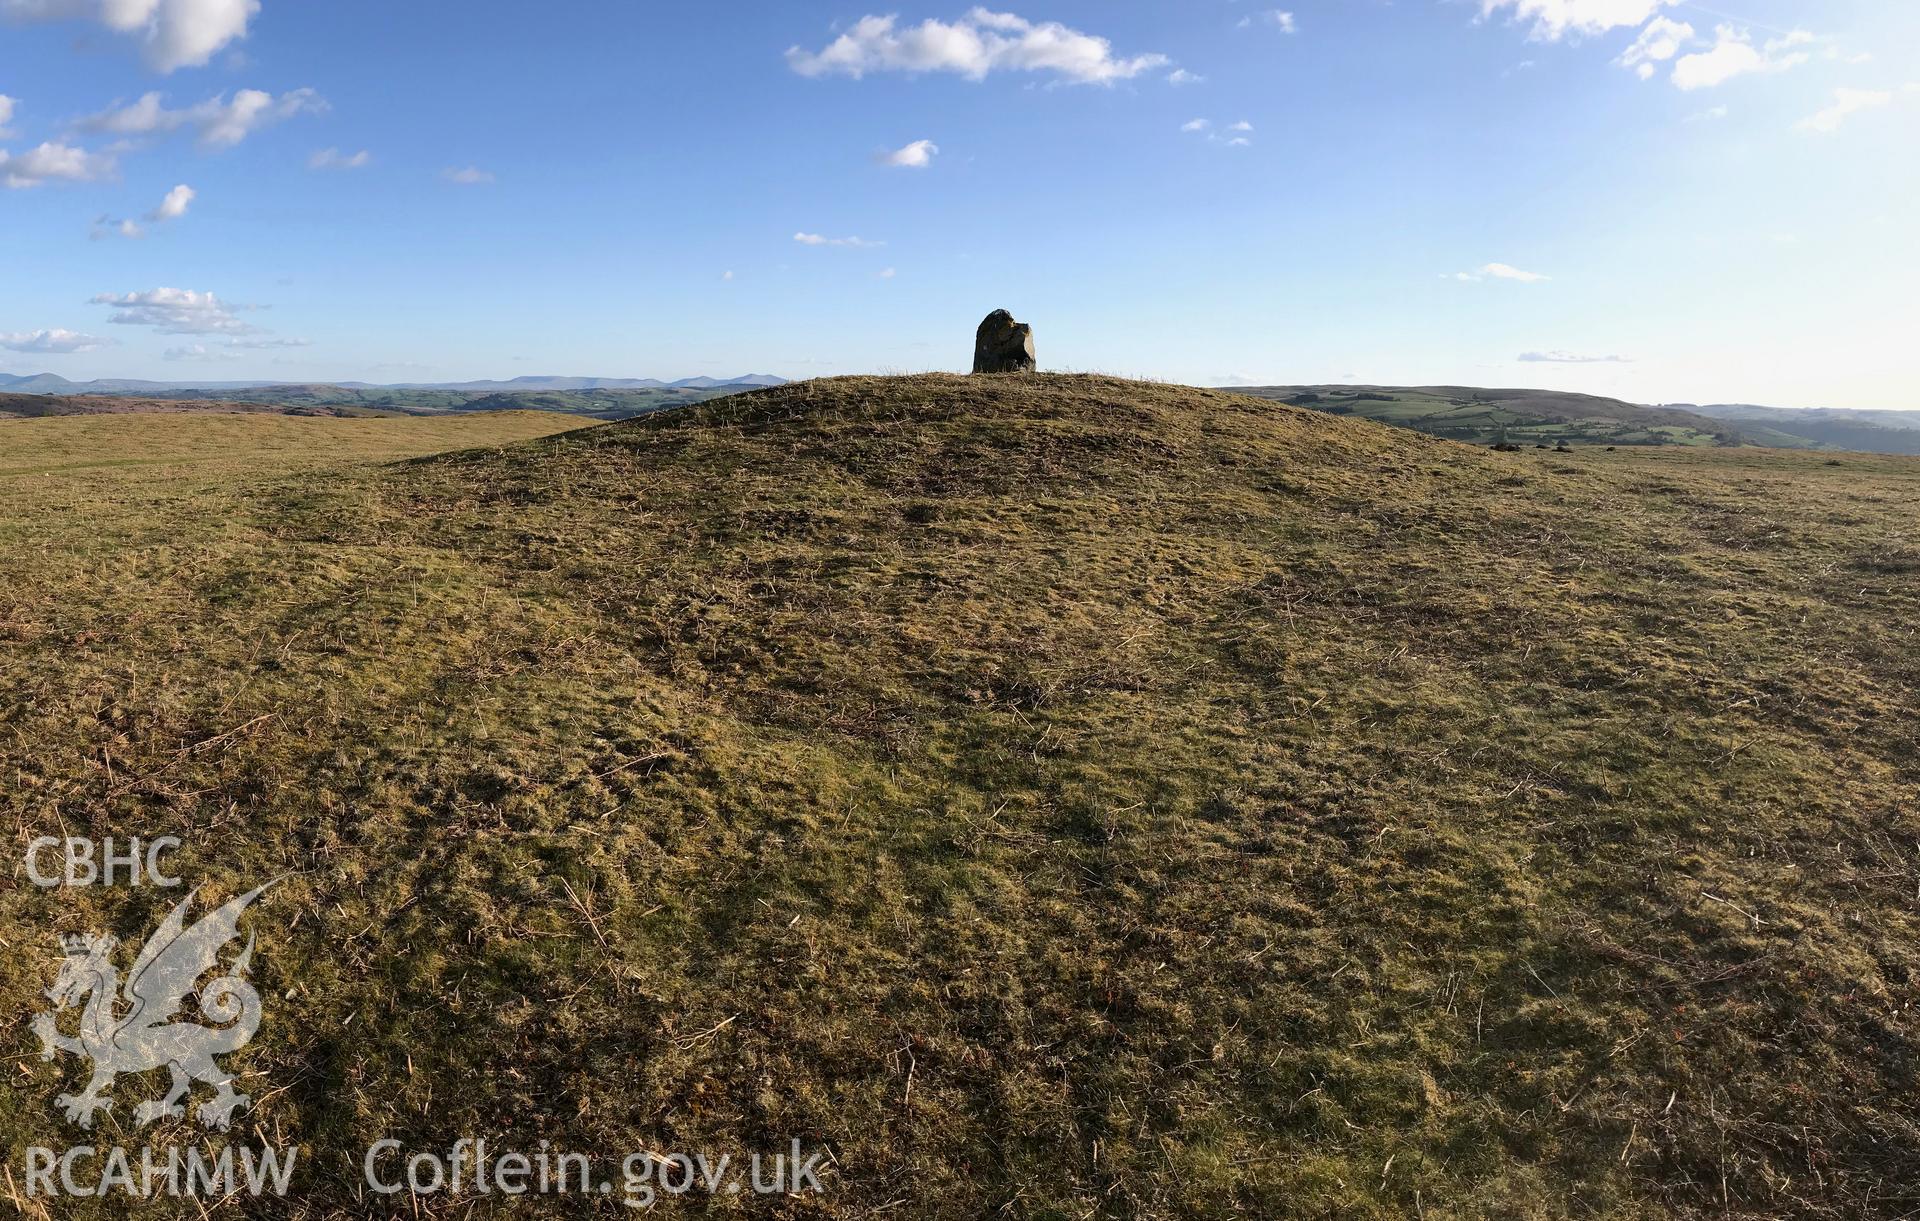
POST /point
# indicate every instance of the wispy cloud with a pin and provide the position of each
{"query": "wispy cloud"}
(1734, 54)
(261, 345)
(220, 122)
(470, 176)
(1277, 18)
(199, 351)
(1234, 135)
(1555, 19)
(1571, 358)
(974, 46)
(916, 156)
(334, 159)
(1846, 104)
(172, 207)
(1500, 271)
(105, 226)
(816, 239)
(1660, 41)
(232, 349)
(7, 107)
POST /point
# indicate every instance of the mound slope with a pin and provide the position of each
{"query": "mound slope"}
(1060, 796)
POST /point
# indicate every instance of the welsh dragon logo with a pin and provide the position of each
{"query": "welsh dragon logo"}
(132, 1030)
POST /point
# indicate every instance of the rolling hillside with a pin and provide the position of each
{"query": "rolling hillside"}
(599, 404)
(1880, 432)
(32, 406)
(1520, 417)
(1051, 796)
(50, 383)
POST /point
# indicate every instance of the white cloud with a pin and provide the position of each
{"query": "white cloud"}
(1283, 21)
(221, 123)
(173, 33)
(1500, 271)
(51, 342)
(141, 118)
(973, 46)
(7, 106)
(1733, 54)
(916, 156)
(471, 176)
(1846, 103)
(174, 311)
(231, 349)
(1571, 358)
(1709, 115)
(334, 159)
(1555, 19)
(174, 206)
(1660, 41)
(1180, 76)
(106, 226)
(198, 351)
(887, 273)
(1238, 135)
(815, 239)
(727, 276)
(52, 162)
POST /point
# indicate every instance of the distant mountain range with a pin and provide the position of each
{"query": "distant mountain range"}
(51, 383)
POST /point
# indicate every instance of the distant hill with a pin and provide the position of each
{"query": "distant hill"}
(595, 403)
(1878, 432)
(599, 403)
(34, 406)
(53, 383)
(50, 383)
(1552, 417)
(1522, 417)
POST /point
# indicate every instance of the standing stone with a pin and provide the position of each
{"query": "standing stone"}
(1003, 345)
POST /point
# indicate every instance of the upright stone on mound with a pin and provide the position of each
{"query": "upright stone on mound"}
(1003, 345)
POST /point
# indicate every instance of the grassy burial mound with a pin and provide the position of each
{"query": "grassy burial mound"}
(1053, 796)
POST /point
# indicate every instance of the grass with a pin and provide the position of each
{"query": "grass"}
(1055, 796)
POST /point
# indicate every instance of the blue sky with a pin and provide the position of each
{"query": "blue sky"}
(1645, 199)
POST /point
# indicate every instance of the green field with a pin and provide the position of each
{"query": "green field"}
(1054, 797)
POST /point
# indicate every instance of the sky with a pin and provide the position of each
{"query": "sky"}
(1640, 198)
